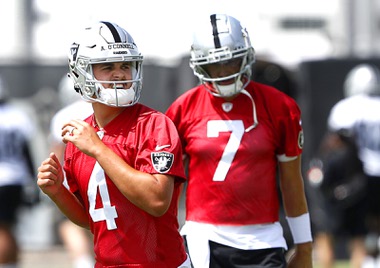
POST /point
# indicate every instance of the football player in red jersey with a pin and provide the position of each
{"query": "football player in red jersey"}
(235, 134)
(123, 163)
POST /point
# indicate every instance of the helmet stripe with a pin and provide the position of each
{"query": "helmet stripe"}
(114, 31)
(215, 31)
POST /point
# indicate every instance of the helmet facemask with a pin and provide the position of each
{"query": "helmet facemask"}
(113, 93)
(238, 80)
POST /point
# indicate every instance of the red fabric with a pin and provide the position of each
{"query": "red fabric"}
(139, 239)
(248, 192)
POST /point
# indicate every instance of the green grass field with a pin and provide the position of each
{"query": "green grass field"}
(339, 264)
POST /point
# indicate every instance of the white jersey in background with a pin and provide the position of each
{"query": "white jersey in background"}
(15, 126)
(360, 115)
(77, 110)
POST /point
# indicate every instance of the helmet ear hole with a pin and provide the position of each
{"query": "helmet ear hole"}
(77, 89)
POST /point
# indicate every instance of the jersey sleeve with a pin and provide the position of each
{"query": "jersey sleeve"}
(160, 152)
(289, 130)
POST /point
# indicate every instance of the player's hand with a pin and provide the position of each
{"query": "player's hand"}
(50, 176)
(302, 256)
(82, 135)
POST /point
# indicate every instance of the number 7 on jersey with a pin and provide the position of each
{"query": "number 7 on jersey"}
(236, 127)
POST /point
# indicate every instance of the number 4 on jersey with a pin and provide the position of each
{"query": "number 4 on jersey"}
(107, 212)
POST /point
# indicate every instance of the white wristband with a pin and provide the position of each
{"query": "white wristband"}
(300, 228)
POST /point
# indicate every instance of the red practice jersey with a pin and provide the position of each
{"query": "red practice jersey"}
(232, 173)
(125, 235)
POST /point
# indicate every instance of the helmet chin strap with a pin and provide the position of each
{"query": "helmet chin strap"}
(255, 122)
(229, 90)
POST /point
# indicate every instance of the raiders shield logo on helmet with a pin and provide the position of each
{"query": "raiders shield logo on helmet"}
(162, 161)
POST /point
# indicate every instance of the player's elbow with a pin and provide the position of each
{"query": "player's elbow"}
(159, 208)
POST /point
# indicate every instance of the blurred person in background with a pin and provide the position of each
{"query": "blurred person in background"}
(75, 239)
(359, 117)
(16, 171)
(350, 171)
(340, 184)
(236, 133)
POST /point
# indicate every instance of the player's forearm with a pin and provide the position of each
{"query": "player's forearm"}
(292, 188)
(295, 203)
(69, 205)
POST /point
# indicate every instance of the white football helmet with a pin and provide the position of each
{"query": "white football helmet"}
(362, 79)
(219, 39)
(100, 43)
